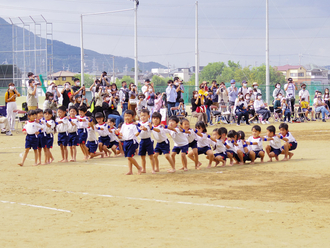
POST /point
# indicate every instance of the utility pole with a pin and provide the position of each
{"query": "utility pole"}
(196, 50)
(113, 68)
(267, 52)
(82, 62)
(136, 3)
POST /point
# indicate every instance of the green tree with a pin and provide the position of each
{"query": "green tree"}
(88, 79)
(258, 74)
(128, 80)
(227, 75)
(211, 71)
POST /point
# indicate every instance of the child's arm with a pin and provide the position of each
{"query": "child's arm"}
(198, 133)
(72, 123)
(246, 150)
(282, 138)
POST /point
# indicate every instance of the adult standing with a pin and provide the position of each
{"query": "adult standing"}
(36, 81)
(326, 97)
(66, 94)
(53, 89)
(144, 88)
(98, 99)
(277, 91)
(10, 99)
(244, 89)
(222, 97)
(171, 95)
(93, 87)
(32, 97)
(77, 89)
(290, 90)
(179, 90)
(196, 102)
(133, 93)
(232, 93)
(303, 93)
(123, 97)
(215, 97)
(104, 80)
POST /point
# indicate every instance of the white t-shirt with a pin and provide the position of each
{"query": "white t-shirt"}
(50, 129)
(73, 128)
(160, 136)
(290, 91)
(304, 94)
(191, 136)
(145, 134)
(82, 122)
(203, 141)
(179, 138)
(32, 127)
(91, 135)
(128, 131)
(218, 147)
(62, 127)
(290, 138)
(258, 104)
(258, 140)
(240, 145)
(275, 143)
(105, 131)
(112, 135)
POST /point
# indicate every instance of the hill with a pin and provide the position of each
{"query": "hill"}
(64, 54)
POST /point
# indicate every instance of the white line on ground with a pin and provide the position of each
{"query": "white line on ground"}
(36, 206)
(116, 165)
(165, 201)
(8, 148)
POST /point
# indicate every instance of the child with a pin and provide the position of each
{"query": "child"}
(62, 124)
(128, 133)
(278, 107)
(146, 144)
(32, 130)
(114, 144)
(91, 144)
(41, 135)
(120, 149)
(219, 149)
(223, 137)
(73, 139)
(102, 129)
(142, 104)
(82, 130)
(255, 143)
(192, 139)
(181, 111)
(49, 138)
(274, 147)
(203, 142)
(180, 140)
(286, 110)
(230, 145)
(163, 145)
(290, 142)
(241, 148)
(306, 109)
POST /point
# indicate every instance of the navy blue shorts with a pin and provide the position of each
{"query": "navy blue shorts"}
(183, 149)
(193, 144)
(49, 140)
(257, 153)
(231, 152)
(223, 155)
(105, 140)
(276, 151)
(163, 147)
(73, 139)
(41, 140)
(246, 157)
(130, 147)
(31, 141)
(122, 144)
(203, 150)
(292, 146)
(92, 146)
(82, 136)
(113, 143)
(146, 145)
(62, 139)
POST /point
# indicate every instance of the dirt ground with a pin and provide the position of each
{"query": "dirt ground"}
(94, 204)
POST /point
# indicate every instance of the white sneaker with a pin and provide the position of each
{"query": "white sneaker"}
(267, 122)
(9, 133)
(3, 130)
(263, 122)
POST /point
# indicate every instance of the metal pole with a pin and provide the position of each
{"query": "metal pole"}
(267, 52)
(81, 50)
(113, 69)
(196, 50)
(135, 44)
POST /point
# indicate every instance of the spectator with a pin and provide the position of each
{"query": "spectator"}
(133, 92)
(10, 99)
(144, 88)
(110, 109)
(6, 129)
(50, 103)
(72, 101)
(36, 81)
(123, 97)
(326, 98)
(141, 104)
(232, 93)
(32, 95)
(203, 90)
(197, 101)
(303, 93)
(244, 88)
(252, 95)
(250, 105)
(222, 97)
(98, 99)
(77, 89)
(114, 92)
(208, 103)
(179, 90)
(277, 90)
(277, 105)
(256, 91)
(79, 101)
(104, 80)
(53, 89)
(171, 95)
(93, 87)
(150, 95)
(241, 110)
(215, 96)
(260, 108)
(290, 89)
(320, 106)
(66, 94)
(159, 101)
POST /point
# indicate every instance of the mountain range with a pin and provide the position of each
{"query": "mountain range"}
(66, 56)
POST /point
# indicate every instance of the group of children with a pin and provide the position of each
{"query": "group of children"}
(75, 129)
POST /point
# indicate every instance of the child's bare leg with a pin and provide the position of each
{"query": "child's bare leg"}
(46, 155)
(170, 160)
(240, 156)
(230, 156)
(156, 161)
(268, 149)
(152, 162)
(290, 155)
(26, 151)
(121, 148)
(65, 153)
(106, 151)
(35, 157)
(95, 154)
(132, 161)
(197, 163)
(62, 153)
(100, 147)
(210, 156)
(184, 161)
(285, 151)
(276, 157)
(39, 156)
(252, 156)
(173, 158)
(143, 161)
(262, 155)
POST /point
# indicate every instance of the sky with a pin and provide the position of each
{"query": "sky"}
(228, 30)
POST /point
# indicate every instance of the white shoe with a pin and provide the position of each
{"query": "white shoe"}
(263, 122)
(9, 133)
(238, 124)
(3, 130)
(267, 122)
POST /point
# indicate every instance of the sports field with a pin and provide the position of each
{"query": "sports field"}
(94, 204)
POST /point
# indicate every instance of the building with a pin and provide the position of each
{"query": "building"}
(7, 75)
(61, 77)
(305, 74)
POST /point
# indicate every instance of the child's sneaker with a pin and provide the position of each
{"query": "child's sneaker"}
(267, 122)
(9, 133)
(263, 122)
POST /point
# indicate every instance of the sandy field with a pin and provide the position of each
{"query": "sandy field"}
(94, 204)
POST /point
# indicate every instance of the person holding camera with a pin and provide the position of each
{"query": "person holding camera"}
(104, 80)
(214, 96)
(10, 99)
(290, 90)
(77, 89)
(32, 97)
(144, 88)
(123, 97)
(66, 94)
(232, 92)
(36, 82)
(197, 107)
(53, 89)
(98, 98)
(92, 89)
(50, 102)
(132, 102)
(141, 104)
(171, 95)
(222, 93)
(178, 85)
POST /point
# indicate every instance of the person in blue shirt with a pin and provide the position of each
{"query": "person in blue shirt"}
(232, 92)
(171, 95)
